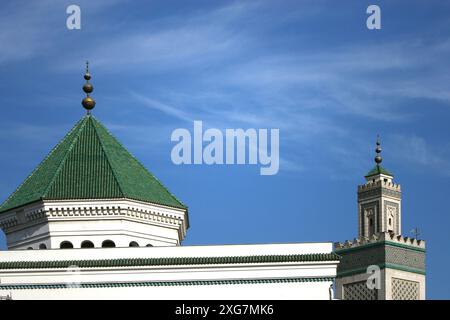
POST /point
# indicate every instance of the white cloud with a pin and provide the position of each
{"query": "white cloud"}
(30, 29)
(238, 77)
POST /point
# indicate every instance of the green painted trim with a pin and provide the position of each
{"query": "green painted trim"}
(382, 266)
(141, 262)
(380, 243)
(378, 170)
(404, 268)
(160, 283)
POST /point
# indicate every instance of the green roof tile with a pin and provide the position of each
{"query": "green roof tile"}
(169, 261)
(378, 170)
(95, 285)
(89, 163)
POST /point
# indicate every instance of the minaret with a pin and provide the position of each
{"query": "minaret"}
(380, 264)
(379, 201)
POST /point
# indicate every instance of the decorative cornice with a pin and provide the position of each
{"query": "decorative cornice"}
(143, 262)
(379, 239)
(130, 211)
(377, 192)
(162, 283)
(379, 244)
(35, 214)
(145, 213)
(8, 222)
(379, 184)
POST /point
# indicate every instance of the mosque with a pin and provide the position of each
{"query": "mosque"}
(91, 222)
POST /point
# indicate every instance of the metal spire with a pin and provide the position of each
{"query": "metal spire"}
(88, 103)
(378, 158)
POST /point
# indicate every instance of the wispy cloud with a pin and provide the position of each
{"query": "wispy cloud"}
(31, 29)
(163, 107)
(228, 66)
(419, 153)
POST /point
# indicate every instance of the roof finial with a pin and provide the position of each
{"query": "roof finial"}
(88, 103)
(378, 158)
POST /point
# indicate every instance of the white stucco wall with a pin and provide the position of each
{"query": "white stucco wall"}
(268, 280)
(285, 291)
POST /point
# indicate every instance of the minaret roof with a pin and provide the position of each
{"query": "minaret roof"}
(89, 163)
(378, 170)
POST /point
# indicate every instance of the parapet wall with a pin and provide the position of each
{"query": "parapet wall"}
(379, 183)
(379, 237)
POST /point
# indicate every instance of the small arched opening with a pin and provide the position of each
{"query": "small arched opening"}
(134, 244)
(108, 244)
(149, 245)
(29, 248)
(42, 246)
(66, 245)
(87, 244)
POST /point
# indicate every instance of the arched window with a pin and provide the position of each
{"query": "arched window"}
(29, 248)
(66, 245)
(149, 245)
(87, 244)
(134, 244)
(108, 244)
(42, 246)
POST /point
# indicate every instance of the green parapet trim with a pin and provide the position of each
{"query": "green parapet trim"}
(381, 266)
(378, 244)
(378, 170)
(143, 262)
(160, 283)
(89, 163)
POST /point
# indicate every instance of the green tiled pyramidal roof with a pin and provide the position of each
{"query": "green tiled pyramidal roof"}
(89, 163)
(378, 170)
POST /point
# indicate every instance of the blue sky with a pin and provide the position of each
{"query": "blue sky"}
(310, 68)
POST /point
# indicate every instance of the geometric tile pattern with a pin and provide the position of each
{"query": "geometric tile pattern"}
(380, 254)
(405, 257)
(404, 289)
(359, 291)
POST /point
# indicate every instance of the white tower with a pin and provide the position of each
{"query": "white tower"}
(379, 202)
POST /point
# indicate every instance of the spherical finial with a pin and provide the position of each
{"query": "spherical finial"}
(88, 103)
(378, 160)
(88, 88)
